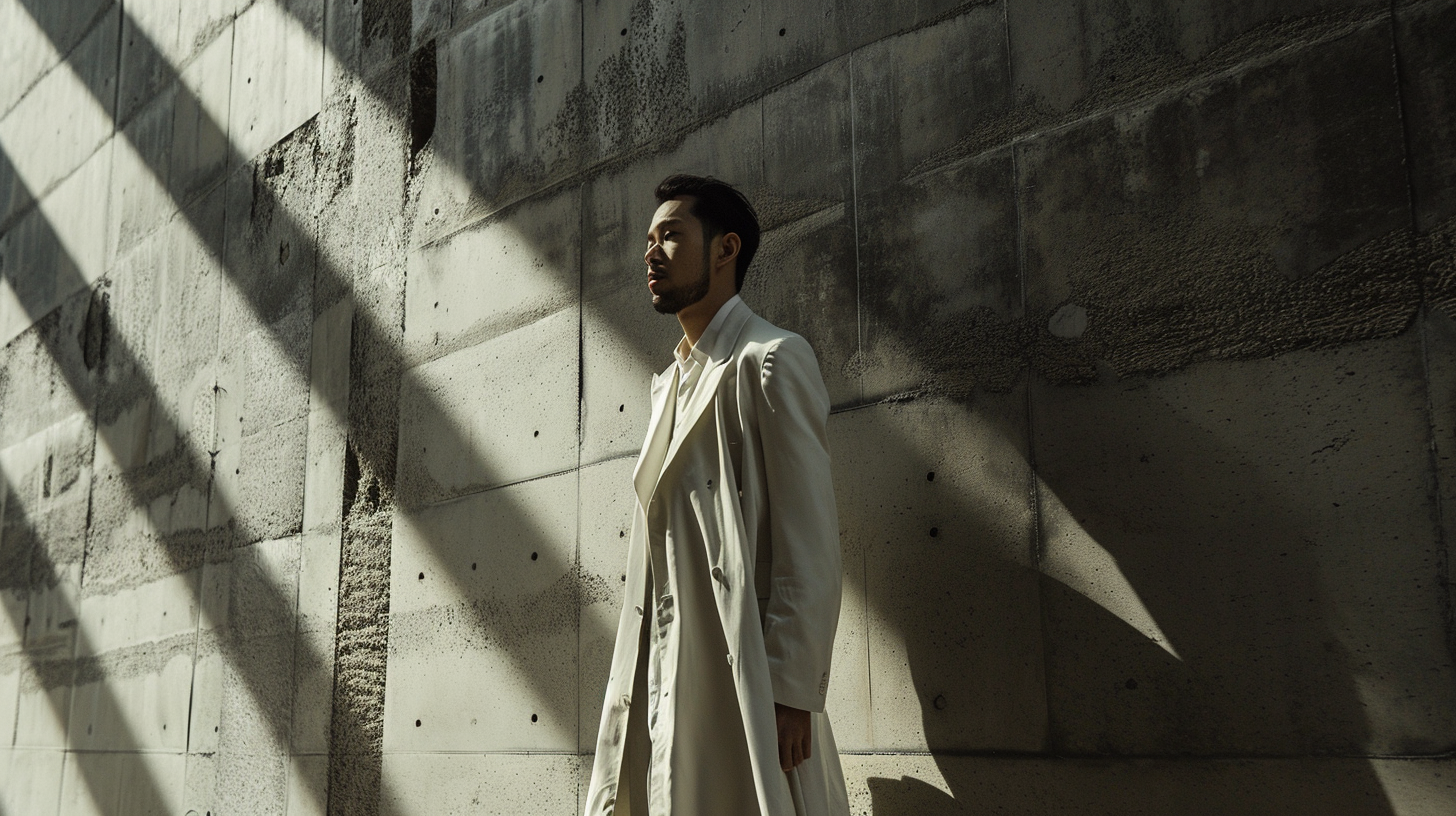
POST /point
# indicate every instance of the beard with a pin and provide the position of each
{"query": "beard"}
(676, 300)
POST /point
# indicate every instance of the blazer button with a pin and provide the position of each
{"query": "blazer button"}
(639, 609)
(626, 701)
(730, 660)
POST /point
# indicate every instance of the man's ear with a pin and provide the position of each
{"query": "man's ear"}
(728, 249)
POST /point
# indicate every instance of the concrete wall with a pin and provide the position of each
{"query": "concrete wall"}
(326, 352)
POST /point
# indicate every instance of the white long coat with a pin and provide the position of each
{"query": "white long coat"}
(755, 425)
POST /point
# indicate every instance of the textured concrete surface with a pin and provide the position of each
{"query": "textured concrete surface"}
(1283, 591)
(488, 784)
(943, 545)
(605, 523)
(1137, 318)
(482, 596)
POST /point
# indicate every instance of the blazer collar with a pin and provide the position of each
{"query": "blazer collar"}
(664, 389)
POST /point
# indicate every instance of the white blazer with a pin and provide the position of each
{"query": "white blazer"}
(755, 425)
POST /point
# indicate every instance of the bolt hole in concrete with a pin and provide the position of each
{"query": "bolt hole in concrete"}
(781, 31)
(624, 579)
(939, 702)
(539, 78)
(624, 32)
(534, 556)
(417, 723)
(621, 534)
(622, 407)
(533, 718)
(537, 433)
(930, 477)
(422, 576)
(472, 567)
(934, 531)
(1131, 684)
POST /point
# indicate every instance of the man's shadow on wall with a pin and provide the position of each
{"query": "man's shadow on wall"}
(1235, 525)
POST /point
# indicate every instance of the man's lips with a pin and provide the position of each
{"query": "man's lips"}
(654, 279)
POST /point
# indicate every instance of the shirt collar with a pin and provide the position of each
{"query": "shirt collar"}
(702, 350)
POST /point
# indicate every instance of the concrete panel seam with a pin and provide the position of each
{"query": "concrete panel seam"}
(90, 26)
(859, 323)
(1433, 454)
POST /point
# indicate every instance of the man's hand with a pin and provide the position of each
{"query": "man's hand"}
(793, 736)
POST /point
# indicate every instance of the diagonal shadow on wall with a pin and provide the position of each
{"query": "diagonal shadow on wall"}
(368, 332)
(110, 363)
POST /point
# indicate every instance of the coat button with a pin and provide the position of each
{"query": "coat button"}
(730, 660)
(710, 484)
(639, 609)
(626, 701)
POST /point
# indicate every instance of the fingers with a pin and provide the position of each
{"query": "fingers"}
(790, 755)
(794, 737)
(794, 749)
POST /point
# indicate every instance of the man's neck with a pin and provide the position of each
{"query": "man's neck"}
(696, 317)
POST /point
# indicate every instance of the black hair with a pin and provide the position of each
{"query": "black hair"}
(720, 208)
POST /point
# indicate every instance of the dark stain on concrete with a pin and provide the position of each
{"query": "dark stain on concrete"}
(422, 92)
(502, 621)
(639, 94)
(138, 660)
(93, 335)
(1127, 76)
(386, 22)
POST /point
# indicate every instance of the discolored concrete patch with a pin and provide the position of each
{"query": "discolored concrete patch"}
(1229, 222)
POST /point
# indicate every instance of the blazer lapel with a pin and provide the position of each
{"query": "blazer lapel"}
(654, 447)
(707, 390)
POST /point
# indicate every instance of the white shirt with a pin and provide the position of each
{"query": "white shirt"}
(692, 358)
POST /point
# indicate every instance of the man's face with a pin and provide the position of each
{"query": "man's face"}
(677, 258)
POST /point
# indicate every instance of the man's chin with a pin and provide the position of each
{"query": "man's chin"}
(665, 305)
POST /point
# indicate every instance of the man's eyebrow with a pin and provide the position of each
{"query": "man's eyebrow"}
(664, 222)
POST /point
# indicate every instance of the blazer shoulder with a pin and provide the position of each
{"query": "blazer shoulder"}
(761, 338)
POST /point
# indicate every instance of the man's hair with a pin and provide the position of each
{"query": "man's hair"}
(721, 209)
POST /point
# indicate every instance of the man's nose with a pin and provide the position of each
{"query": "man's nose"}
(653, 250)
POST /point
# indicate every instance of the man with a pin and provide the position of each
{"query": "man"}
(715, 706)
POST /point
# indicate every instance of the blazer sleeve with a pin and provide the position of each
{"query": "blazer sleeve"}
(804, 590)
